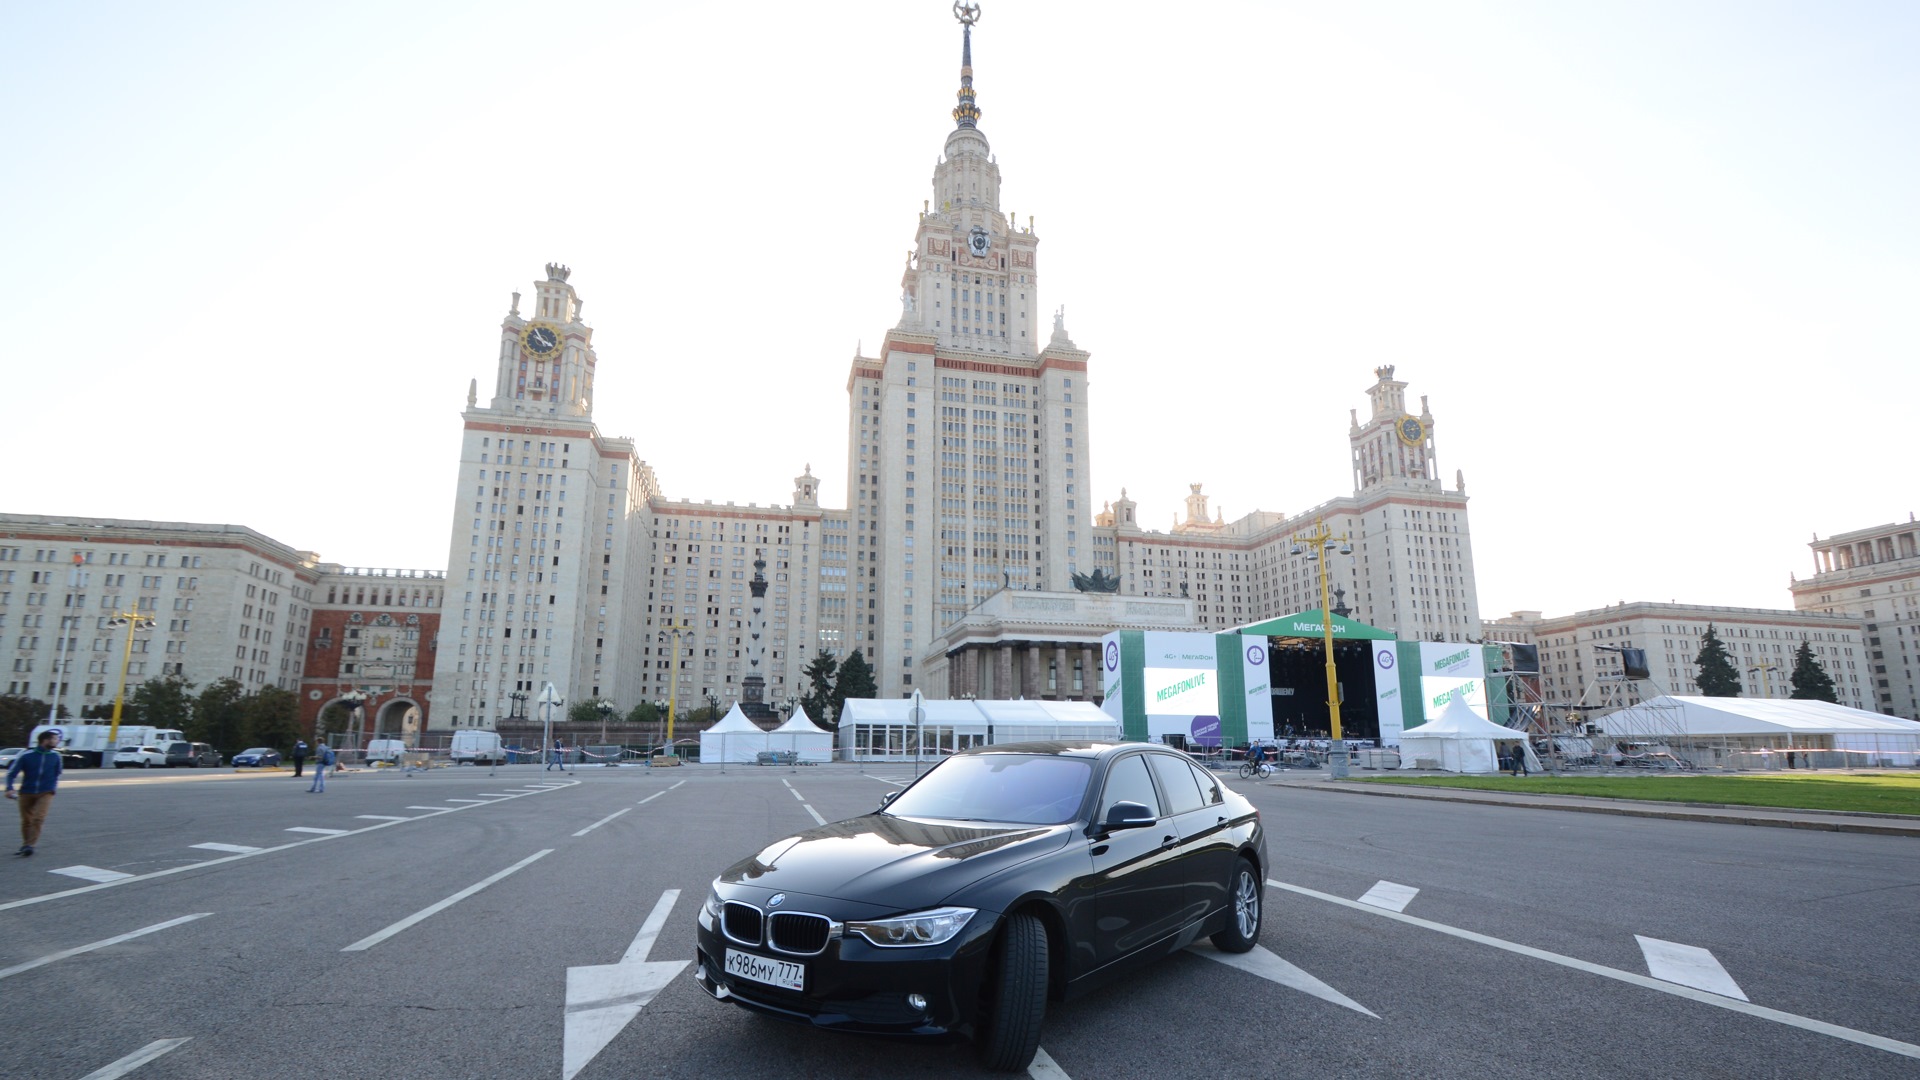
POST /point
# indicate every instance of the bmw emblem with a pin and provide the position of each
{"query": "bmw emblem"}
(778, 899)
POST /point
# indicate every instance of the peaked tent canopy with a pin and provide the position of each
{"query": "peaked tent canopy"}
(1458, 740)
(1307, 624)
(801, 735)
(1779, 723)
(734, 738)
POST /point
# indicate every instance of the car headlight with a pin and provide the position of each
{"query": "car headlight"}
(920, 928)
(710, 911)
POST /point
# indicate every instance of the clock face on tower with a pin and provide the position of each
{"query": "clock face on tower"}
(540, 339)
(978, 241)
(1411, 430)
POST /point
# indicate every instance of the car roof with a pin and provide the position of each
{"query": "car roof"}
(1083, 748)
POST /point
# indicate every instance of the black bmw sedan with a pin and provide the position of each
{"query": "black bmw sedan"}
(1005, 877)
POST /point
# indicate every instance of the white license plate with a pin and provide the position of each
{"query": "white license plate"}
(781, 973)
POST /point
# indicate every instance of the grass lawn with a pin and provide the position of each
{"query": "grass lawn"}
(1878, 793)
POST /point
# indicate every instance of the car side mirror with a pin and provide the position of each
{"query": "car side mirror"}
(887, 798)
(1128, 815)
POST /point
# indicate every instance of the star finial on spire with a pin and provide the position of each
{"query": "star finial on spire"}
(966, 114)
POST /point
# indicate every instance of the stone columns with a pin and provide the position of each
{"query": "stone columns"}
(1003, 671)
(1063, 674)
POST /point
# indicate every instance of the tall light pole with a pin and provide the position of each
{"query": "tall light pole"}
(673, 674)
(605, 709)
(1766, 684)
(1321, 540)
(355, 700)
(133, 621)
(550, 700)
(919, 727)
(60, 655)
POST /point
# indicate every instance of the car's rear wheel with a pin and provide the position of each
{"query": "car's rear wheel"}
(1010, 1020)
(1243, 927)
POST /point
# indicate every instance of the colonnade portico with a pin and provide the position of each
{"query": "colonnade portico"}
(1035, 670)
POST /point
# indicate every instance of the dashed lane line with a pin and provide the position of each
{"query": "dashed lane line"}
(817, 819)
(431, 910)
(237, 849)
(16, 969)
(1688, 965)
(318, 831)
(469, 801)
(235, 857)
(1718, 1001)
(136, 1059)
(602, 821)
(1386, 894)
(435, 809)
(382, 817)
(90, 873)
(650, 798)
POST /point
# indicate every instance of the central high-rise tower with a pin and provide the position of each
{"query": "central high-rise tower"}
(968, 437)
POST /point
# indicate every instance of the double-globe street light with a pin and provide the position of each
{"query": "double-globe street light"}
(133, 621)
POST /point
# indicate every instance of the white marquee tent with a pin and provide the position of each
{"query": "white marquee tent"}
(802, 735)
(734, 738)
(879, 729)
(1765, 725)
(1458, 740)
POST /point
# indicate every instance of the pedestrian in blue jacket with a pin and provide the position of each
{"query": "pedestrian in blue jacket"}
(322, 761)
(38, 771)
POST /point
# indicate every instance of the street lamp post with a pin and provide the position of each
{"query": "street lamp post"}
(919, 728)
(673, 630)
(1321, 539)
(1766, 684)
(605, 709)
(355, 701)
(659, 710)
(550, 700)
(133, 621)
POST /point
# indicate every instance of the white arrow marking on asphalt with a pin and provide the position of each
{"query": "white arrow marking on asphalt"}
(136, 1059)
(90, 873)
(603, 999)
(1045, 1068)
(237, 849)
(1688, 965)
(1262, 962)
(1385, 894)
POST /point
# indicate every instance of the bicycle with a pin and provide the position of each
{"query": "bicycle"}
(1256, 770)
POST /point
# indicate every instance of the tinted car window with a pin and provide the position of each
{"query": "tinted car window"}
(1128, 781)
(1183, 793)
(1209, 785)
(1021, 788)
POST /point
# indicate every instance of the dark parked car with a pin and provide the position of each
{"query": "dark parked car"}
(191, 755)
(1005, 877)
(259, 757)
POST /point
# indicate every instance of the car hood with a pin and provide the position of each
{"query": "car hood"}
(895, 862)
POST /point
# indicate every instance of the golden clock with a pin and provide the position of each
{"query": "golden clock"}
(1411, 430)
(540, 340)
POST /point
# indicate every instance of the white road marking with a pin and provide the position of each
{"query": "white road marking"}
(603, 999)
(184, 867)
(237, 849)
(136, 1059)
(1688, 965)
(467, 800)
(318, 832)
(90, 873)
(1044, 1067)
(796, 795)
(1262, 962)
(1385, 894)
(381, 817)
(431, 910)
(788, 783)
(817, 819)
(601, 822)
(435, 809)
(115, 940)
(497, 794)
(650, 798)
(1720, 1001)
(676, 785)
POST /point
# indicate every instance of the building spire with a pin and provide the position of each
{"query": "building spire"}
(966, 114)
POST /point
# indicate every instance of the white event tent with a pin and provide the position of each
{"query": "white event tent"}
(734, 738)
(1458, 740)
(886, 729)
(800, 734)
(1768, 727)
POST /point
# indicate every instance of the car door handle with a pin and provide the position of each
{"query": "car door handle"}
(1169, 841)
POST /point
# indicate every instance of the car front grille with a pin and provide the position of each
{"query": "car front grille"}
(741, 922)
(796, 932)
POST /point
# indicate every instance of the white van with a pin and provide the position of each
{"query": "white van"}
(479, 747)
(387, 750)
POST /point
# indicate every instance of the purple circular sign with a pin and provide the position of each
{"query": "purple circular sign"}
(1385, 656)
(1206, 730)
(1113, 656)
(1256, 655)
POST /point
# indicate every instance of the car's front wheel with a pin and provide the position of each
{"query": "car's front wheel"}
(1243, 927)
(1010, 1019)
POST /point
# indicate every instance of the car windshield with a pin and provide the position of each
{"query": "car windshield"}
(255, 750)
(1028, 789)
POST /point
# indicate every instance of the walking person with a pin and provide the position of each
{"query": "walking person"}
(322, 761)
(38, 771)
(558, 757)
(1519, 759)
(299, 755)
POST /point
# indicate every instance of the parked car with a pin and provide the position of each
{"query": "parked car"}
(477, 746)
(259, 757)
(192, 755)
(139, 757)
(1005, 877)
(11, 752)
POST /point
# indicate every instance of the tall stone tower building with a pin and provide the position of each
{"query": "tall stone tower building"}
(968, 436)
(540, 557)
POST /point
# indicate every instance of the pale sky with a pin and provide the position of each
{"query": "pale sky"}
(1653, 264)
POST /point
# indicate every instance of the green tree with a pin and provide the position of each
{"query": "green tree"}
(332, 720)
(855, 681)
(19, 716)
(583, 712)
(1717, 677)
(644, 713)
(1810, 679)
(819, 674)
(219, 717)
(272, 718)
(163, 703)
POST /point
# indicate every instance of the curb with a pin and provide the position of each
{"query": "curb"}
(1821, 824)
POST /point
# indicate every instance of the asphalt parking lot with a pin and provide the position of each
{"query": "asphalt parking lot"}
(529, 922)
